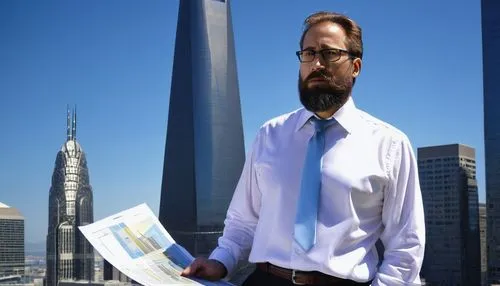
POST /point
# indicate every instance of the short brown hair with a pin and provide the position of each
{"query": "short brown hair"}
(354, 40)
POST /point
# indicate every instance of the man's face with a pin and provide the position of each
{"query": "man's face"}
(325, 85)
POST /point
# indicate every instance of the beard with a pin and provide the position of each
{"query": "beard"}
(328, 95)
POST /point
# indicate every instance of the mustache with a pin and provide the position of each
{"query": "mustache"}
(323, 74)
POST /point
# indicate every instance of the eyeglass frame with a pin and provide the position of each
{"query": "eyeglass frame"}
(320, 52)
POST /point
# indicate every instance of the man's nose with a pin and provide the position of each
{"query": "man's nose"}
(319, 62)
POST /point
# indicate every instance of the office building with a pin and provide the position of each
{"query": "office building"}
(204, 150)
(11, 242)
(111, 273)
(484, 252)
(448, 181)
(490, 22)
(70, 257)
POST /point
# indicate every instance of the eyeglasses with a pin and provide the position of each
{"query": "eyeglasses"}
(329, 55)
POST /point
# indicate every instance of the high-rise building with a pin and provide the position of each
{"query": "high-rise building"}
(11, 241)
(69, 255)
(491, 99)
(482, 231)
(204, 152)
(449, 190)
(111, 273)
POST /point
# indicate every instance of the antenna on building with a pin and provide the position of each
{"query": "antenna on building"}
(68, 122)
(73, 132)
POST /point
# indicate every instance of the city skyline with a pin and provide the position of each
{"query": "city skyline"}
(115, 64)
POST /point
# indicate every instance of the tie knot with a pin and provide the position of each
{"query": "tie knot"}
(321, 125)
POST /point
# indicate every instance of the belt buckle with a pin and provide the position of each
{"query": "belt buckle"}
(293, 279)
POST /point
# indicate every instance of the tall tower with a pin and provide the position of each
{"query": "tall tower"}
(449, 190)
(491, 100)
(69, 255)
(204, 152)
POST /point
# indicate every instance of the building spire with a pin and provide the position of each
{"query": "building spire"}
(68, 122)
(73, 132)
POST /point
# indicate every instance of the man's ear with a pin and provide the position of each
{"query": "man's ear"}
(356, 64)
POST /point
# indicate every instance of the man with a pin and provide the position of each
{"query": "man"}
(324, 183)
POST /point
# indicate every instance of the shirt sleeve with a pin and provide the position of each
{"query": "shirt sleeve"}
(403, 236)
(241, 219)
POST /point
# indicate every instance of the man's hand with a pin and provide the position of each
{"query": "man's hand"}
(204, 268)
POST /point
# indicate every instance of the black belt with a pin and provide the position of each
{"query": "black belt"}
(303, 277)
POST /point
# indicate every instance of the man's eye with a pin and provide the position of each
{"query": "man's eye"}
(331, 52)
(308, 53)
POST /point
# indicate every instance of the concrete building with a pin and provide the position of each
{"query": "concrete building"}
(449, 190)
(11, 242)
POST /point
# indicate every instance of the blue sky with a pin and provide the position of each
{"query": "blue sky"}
(422, 73)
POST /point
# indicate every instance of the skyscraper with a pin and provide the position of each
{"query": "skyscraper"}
(11, 241)
(204, 152)
(69, 255)
(111, 273)
(483, 231)
(491, 100)
(449, 190)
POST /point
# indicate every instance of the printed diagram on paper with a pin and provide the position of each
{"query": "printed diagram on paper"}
(135, 243)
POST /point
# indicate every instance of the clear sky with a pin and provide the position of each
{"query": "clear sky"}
(422, 73)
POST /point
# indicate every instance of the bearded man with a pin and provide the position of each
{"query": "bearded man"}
(323, 184)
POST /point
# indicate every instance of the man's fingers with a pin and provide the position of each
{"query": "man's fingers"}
(186, 271)
(193, 268)
(204, 268)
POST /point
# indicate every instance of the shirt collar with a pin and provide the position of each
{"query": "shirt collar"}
(346, 116)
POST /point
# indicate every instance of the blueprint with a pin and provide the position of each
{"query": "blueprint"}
(135, 243)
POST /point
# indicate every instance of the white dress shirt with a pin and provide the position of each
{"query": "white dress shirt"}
(370, 190)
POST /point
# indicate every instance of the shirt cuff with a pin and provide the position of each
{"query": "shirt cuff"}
(382, 279)
(224, 256)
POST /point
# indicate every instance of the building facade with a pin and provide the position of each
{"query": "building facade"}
(491, 99)
(204, 152)
(111, 273)
(449, 190)
(69, 255)
(11, 241)
(484, 252)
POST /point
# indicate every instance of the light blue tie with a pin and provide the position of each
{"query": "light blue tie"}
(307, 205)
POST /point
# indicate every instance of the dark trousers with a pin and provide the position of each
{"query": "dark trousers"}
(261, 278)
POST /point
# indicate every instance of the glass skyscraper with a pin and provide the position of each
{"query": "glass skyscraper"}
(11, 241)
(204, 152)
(490, 20)
(449, 190)
(69, 255)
